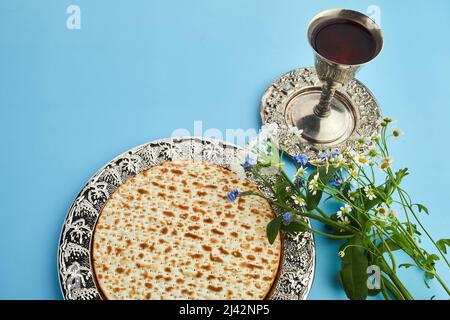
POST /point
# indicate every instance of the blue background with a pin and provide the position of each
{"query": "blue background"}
(70, 100)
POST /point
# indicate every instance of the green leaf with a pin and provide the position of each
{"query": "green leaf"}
(421, 208)
(313, 200)
(273, 227)
(294, 226)
(431, 259)
(441, 244)
(324, 175)
(400, 174)
(406, 265)
(280, 188)
(354, 270)
(345, 188)
(412, 228)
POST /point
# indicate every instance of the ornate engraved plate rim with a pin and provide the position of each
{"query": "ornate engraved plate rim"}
(74, 266)
(282, 90)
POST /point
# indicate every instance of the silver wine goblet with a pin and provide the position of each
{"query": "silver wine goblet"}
(343, 40)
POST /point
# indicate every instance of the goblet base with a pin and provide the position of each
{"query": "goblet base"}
(336, 127)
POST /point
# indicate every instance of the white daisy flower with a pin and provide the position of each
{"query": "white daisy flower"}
(385, 163)
(295, 133)
(372, 152)
(364, 142)
(353, 173)
(343, 211)
(361, 160)
(370, 194)
(299, 201)
(316, 162)
(341, 254)
(337, 161)
(344, 220)
(313, 185)
(375, 137)
(269, 131)
(299, 173)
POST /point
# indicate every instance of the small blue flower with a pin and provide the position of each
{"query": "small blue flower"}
(299, 180)
(288, 218)
(323, 155)
(248, 162)
(301, 159)
(336, 182)
(232, 195)
(335, 153)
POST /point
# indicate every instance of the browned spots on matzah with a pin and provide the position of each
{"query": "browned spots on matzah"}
(216, 231)
(198, 210)
(193, 236)
(142, 191)
(214, 288)
(168, 213)
(208, 220)
(206, 267)
(173, 234)
(162, 195)
(156, 184)
(177, 172)
(215, 259)
(236, 254)
(143, 245)
(119, 270)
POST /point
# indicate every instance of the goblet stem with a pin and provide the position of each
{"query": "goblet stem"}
(323, 109)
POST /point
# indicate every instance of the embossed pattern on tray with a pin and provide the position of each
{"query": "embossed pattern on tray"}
(277, 96)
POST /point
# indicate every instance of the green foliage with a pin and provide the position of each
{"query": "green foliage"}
(367, 221)
(294, 226)
(354, 269)
(273, 227)
(442, 244)
(421, 208)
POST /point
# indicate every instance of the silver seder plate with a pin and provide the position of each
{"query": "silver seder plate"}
(286, 99)
(74, 251)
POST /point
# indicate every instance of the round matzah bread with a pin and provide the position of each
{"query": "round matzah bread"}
(171, 233)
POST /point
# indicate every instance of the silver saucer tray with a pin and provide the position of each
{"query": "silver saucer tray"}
(283, 100)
